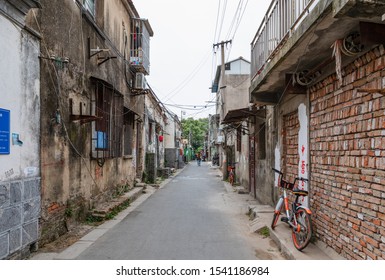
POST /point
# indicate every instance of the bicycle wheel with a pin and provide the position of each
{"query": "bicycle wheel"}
(277, 212)
(275, 219)
(302, 234)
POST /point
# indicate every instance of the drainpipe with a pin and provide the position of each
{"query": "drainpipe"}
(309, 141)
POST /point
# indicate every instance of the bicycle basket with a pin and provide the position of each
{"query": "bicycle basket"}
(287, 185)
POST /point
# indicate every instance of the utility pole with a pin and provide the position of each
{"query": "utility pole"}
(223, 158)
(222, 44)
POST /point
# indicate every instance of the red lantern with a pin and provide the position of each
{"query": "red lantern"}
(160, 138)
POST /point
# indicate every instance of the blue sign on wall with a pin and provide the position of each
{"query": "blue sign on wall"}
(5, 127)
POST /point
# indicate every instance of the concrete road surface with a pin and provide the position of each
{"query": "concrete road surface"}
(191, 217)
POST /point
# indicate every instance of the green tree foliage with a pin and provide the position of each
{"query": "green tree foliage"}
(195, 131)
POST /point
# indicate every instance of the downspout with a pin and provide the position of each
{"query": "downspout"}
(309, 141)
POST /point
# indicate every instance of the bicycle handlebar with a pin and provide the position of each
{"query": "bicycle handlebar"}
(302, 179)
(295, 179)
(277, 171)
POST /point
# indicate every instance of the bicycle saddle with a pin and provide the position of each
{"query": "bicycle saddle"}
(297, 191)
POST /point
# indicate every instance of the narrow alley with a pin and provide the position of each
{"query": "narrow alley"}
(196, 217)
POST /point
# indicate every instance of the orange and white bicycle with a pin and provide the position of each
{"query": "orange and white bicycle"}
(298, 217)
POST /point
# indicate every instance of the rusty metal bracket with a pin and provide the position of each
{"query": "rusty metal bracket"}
(137, 92)
(101, 60)
(97, 51)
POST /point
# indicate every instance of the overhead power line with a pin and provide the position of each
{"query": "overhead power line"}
(223, 18)
(188, 79)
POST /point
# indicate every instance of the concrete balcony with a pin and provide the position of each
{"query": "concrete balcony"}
(293, 48)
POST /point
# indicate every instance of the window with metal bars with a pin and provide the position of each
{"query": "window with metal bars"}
(107, 129)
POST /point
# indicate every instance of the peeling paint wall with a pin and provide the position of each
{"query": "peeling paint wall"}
(277, 164)
(154, 126)
(303, 150)
(267, 156)
(232, 95)
(286, 136)
(243, 160)
(172, 141)
(76, 175)
(19, 141)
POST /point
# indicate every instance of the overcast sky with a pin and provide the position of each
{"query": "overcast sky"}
(182, 58)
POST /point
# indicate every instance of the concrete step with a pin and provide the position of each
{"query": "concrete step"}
(110, 208)
(262, 215)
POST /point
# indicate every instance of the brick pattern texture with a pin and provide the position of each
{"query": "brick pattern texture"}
(290, 157)
(347, 143)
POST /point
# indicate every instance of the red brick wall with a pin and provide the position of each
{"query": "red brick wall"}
(347, 146)
(290, 157)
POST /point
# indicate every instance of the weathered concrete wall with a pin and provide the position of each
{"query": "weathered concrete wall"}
(286, 142)
(73, 180)
(19, 139)
(173, 147)
(348, 158)
(235, 94)
(265, 152)
(232, 95)
(238, 153)
(169, 133)
(172, 131)
(154, 126)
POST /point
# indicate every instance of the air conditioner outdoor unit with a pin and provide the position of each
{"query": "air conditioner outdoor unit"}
(178, 134)
(140, 82)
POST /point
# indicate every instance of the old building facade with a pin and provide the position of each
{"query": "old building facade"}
(78, 121)
(320, 78)
(172, 137)
(19, 129)
(93, 64)
(154, 126)
(229, 131)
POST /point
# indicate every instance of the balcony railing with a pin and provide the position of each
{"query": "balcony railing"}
(140, 45)
(281, 19)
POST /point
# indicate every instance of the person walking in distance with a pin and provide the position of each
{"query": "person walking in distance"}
(199, 158)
